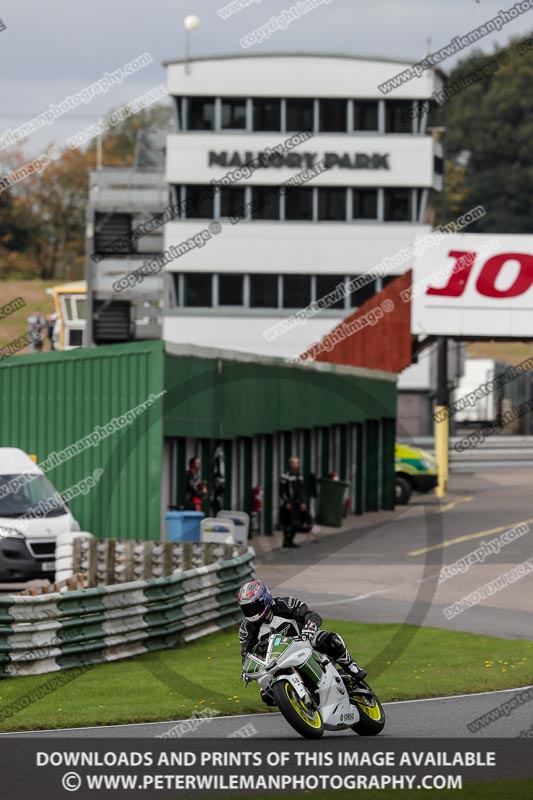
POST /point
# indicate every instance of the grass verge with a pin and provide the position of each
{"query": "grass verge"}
(33, 292)
(174, 684)
(495, 790)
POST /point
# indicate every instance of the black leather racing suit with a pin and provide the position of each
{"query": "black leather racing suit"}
(292, 492)
(288, 616)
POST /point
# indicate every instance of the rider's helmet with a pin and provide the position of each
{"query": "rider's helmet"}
(255, 600)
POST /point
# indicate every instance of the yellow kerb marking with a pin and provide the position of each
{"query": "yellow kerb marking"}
(468, 537)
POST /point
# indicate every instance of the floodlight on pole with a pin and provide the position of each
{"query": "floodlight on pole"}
(190, 24)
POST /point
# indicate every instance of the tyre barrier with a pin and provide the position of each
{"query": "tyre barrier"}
(66, 549)
(106, 561)
(58, 631)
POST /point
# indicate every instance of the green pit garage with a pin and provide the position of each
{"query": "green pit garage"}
(139, 411)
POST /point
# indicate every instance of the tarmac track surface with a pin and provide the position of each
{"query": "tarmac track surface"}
(432, 718)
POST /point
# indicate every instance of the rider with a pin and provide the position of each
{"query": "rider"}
(288, 615)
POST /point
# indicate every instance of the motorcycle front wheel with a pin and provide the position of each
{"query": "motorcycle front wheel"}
(371, 713)
(305, 720)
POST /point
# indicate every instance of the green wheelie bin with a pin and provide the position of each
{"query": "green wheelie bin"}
(332, 502)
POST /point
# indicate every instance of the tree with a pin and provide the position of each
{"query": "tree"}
(493, 119)
(42, 218)
(15, 233)
(119, 142)
(54, 204)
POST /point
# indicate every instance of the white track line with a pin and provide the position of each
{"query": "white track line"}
(357, 597)
(136, 724)
(451, 696)
(259, 714)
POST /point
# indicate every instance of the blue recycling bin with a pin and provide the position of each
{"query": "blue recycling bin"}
(183, 526)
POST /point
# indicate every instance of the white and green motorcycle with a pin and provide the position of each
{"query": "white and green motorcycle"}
(310, 690)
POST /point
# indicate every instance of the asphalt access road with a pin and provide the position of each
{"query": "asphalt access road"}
(385, 566)
(433, 718)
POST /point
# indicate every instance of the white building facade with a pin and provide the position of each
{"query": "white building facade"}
(290, 226)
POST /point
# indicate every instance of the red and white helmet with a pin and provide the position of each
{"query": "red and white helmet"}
(255, 599)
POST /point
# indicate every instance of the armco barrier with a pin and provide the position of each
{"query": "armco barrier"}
(56, 631)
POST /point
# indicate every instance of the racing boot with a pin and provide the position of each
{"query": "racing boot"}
(334, 646)
(268, 697)
(353, 669)
(351, 666)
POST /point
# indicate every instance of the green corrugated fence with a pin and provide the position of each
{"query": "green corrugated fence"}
(56, 631)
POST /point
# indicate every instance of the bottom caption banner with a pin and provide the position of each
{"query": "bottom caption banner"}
(144, 768)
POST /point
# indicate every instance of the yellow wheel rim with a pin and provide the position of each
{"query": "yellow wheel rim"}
(311, 717)
(372, 711)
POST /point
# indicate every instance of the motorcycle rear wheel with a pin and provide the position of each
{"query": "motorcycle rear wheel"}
(304, 719)
(371, 713)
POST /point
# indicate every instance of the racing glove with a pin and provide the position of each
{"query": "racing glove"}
(309, 630)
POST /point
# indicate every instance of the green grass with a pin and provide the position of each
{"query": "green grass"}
(33, 292)
(404, 662)
(493, 790)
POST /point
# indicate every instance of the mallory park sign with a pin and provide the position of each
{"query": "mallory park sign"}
(299, 160)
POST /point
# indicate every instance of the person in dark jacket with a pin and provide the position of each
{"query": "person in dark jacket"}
(51, 320)
(195, 489)
(293, 512)
(290, 617)
(37, 325)
(218, 479)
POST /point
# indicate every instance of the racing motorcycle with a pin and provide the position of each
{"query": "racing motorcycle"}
(310, 690)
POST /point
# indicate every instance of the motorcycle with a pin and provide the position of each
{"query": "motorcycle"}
(312, 692)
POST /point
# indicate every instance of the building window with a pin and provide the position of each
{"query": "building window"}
(398, 205)
(79, 308)
(364, 293)
(398, 116)
(420, 204)
(201, 114)
(387, 279)
(296, 291)
(199, 202)
(267, 114)
(263, 291)
(428, 113)
(179, 113)
(332, 205)
(175, 277)
(364, 203)
(333, 117)
(265, 202)
(234, 113)
(298, 203)
(230, 290)
(232, 201)
(300, 115)
(365, 115)
(112, 234)
(175, 199)
(198, 289)
(325, 284)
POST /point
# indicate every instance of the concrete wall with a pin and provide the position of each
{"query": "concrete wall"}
(414, 417)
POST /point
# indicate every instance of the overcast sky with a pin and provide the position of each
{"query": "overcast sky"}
(55, 48)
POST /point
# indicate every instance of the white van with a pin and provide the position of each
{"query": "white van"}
(32, 515)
